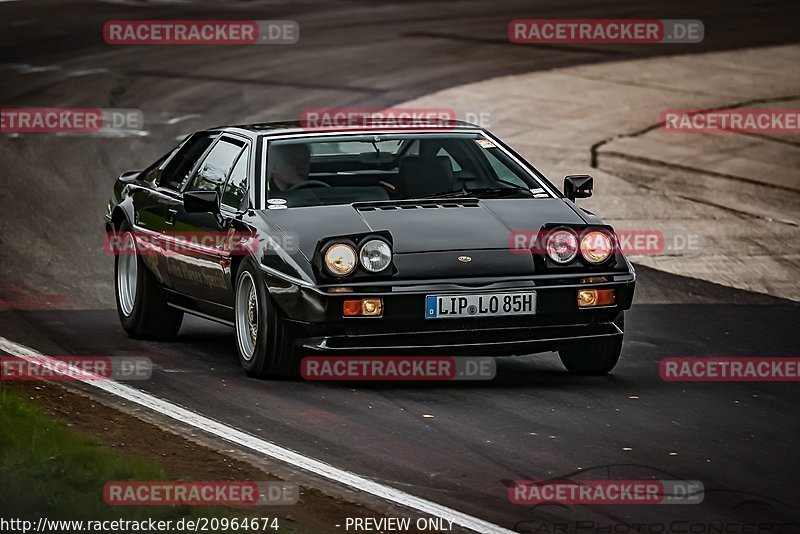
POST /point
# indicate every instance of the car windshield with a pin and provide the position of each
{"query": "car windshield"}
(386, 167)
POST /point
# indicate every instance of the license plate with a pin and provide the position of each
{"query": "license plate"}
(486, 305)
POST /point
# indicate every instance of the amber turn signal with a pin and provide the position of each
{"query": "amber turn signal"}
(363, 308)
(588, 298)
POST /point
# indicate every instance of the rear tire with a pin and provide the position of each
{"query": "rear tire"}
(263, 343)
(141, 303)
(593, 357)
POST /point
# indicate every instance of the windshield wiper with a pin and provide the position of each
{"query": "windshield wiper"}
(490, 191)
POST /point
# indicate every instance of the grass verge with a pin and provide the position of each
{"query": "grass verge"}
(48, 470)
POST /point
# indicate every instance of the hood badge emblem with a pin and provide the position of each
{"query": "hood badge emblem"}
(464, 259)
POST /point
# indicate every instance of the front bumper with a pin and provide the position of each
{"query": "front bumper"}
(314, 316)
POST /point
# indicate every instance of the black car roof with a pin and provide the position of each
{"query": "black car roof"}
(298, 126)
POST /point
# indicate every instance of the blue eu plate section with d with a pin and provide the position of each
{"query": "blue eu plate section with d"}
(430, 307)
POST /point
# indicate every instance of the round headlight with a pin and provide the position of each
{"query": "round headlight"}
(340, 259)
(562, 246)
(596, 247)
(375, 255)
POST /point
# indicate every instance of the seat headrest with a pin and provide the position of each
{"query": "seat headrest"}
(421, 176)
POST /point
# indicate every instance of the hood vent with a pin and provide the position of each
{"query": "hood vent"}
(416, 204)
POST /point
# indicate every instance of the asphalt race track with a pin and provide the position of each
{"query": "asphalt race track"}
(534, 420)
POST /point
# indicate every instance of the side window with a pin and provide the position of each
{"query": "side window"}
(236, 188)
(179, 167)
(153, 172)
(214, 169)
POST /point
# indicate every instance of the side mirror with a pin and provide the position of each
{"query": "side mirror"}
(578, 186)
(201, 201)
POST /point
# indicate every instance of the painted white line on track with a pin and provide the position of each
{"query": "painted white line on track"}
(259, 445)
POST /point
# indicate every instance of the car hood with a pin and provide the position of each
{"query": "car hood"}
(444, 225)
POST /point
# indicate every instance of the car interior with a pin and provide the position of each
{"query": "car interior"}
(416, 169)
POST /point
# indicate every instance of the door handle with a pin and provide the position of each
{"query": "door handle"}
(171, 217)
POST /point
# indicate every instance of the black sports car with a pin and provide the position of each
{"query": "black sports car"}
(384, 239)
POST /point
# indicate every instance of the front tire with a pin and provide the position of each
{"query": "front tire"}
(595, 356)
(263, 343)
(141, 303)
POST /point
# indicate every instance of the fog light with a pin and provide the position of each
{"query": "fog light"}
(363, 308)
(372, 306)
(596, 297)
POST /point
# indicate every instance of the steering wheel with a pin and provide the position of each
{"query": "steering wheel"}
(309, 183)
